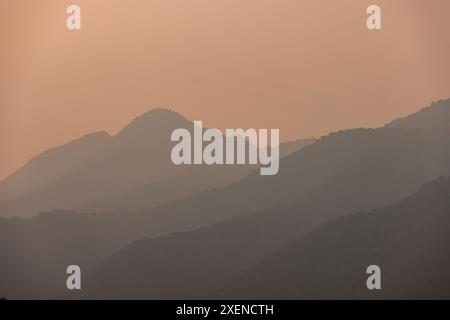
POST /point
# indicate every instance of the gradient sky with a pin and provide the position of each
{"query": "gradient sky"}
(306, 67)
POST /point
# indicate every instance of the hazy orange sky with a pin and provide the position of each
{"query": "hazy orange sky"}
(306, 67)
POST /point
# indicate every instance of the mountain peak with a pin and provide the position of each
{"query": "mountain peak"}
(157, 120)
(161, 112)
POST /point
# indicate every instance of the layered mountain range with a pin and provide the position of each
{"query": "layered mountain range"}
(234, 237)
(129, 171)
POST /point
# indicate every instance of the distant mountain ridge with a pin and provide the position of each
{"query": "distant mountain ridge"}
(432, 117)
(134, 157)
(215, 253)
(129, 171)
(186, 184)
(408, 240)
(342, 173)
(53, 164)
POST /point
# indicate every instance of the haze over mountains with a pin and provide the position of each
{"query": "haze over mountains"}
(203, 263)
(129, 171)
(194, 180)
(408, 240)
(135, 156)
(50, 166)
(307, 67)
(221, 233)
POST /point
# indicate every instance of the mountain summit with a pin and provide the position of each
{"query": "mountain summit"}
(94, 167)
(131, 170)
(156, 122)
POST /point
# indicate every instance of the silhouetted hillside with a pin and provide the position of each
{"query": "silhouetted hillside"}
(148, 268)
(290, 147)
(54, 164)
(194, 264)
(409, 241)
(435, 116)
(131, 170)
(200, 264)
(196, 179)
(35, 252)
(344, 172)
